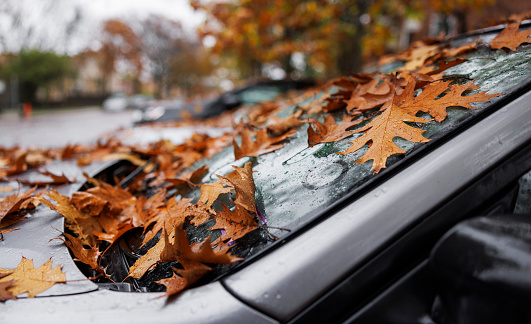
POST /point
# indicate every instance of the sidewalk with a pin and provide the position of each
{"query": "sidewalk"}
(59, 127)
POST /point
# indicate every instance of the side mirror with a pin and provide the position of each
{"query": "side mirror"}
(483, 266)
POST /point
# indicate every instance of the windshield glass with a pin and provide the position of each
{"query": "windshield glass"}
(296, 181)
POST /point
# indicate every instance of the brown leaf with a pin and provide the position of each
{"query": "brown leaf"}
(280, 126)
(82, 224)
(379, 134)
(418, 54)
(329, 131)
(263, 143)
(33, 281)
(242, 181)
(511, 37)
(173, 213)
(211, 191)
(188, 276)
(427, 100)
(4, 294)
(56, 180)
(87, 256)
(192, 179)
(381, 131)
(235, 223)
(13, 203)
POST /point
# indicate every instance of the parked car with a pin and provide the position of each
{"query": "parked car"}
(139, 101)
(116, 102)
(248, 95)
(404, 245)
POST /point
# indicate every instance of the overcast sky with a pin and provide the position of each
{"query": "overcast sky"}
(44, 28)
(179, 10)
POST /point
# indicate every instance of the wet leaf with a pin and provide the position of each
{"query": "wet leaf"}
(4, 294)
(261, 145)
(25, 278)
(511, 37)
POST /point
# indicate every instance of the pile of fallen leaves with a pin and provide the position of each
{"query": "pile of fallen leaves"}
(377, 106)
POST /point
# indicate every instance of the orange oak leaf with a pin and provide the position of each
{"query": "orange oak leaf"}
(82, 224)
(241, 179)
(33, 281)
(174, 213)
(211, 191)
(428, 101)
(281, 126)
(180, 250)
(4, 294)
(329, 131)
(511, 37)
(235, 223)
(263, 143)
(379, 134)
(187, 277)
(87, 256)
(13, 203)
(381, 131)
(56, 180)
(88, 203)
(148, 260)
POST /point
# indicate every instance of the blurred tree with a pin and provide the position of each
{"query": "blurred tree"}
(120, 42)
(161, 41)
(332, 35)
(35, 69)
(43, 25)
(175, 60)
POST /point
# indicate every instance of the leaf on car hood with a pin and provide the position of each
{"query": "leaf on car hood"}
(25, 278)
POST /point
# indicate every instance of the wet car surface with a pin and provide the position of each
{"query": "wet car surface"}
(347, 238)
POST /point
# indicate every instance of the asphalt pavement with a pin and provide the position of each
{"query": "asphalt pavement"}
(56, 128)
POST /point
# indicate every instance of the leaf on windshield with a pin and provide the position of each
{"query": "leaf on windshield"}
(511, 37)
(26, 279)
(234, 223)
(193, 262)
(55, 180)
(329, 131)
(241, 179)
(82, 224)
(391, 123)
(261, 145)
(4, 293)
(87, 256)
(281, 126)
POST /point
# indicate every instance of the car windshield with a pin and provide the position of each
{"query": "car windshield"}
(296, 182)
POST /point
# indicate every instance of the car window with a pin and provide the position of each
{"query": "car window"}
(260, 94)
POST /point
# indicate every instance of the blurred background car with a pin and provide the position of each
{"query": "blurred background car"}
(115, 102)
(139, 101)
(248, 95)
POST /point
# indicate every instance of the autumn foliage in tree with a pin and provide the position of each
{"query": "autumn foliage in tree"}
(330, 34)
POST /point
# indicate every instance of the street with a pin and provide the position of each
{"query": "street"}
(59, 128)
